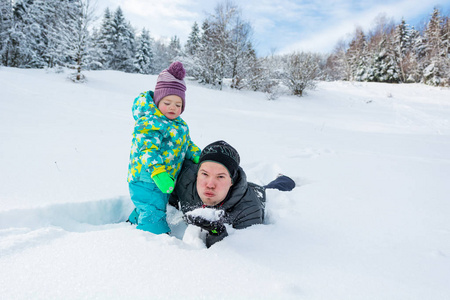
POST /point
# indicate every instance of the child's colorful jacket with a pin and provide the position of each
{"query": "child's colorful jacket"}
(158, 142)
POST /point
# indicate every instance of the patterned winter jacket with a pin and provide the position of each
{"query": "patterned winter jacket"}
(157, 141)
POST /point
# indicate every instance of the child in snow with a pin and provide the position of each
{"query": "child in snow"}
(160, 144)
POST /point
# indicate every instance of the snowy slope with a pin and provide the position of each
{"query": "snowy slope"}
(368, 220)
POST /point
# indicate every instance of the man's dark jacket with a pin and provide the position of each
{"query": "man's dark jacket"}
(243, 206)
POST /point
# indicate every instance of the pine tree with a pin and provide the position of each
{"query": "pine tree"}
(435, 56)
(76, 39)
(192, 48)
(402, 45)
(193, 42)
(123, 43)
(105, 41)
(446, 50)
(6, 26)
(174, 50)
(57, 19)
(225, 49)
(28, 37)
(209, 67)
(144, 53)
(356, 56)
(162, 56)
(415, 65)
(383, 67)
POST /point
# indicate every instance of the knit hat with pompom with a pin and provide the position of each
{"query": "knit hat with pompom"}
(171, 82)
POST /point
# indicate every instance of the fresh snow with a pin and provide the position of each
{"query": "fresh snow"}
(369, 218)
(207, 213)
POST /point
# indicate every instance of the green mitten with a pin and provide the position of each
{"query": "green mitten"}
(196, 159)
(164, 182)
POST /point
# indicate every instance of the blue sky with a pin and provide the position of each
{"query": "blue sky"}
(279, 25)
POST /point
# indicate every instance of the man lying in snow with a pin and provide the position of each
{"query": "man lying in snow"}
(217, 182)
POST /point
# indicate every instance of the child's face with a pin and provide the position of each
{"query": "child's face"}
(170, 106)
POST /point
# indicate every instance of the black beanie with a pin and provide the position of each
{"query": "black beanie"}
(223, 153)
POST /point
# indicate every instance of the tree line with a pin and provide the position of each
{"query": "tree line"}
(395, 53)
(60, 33)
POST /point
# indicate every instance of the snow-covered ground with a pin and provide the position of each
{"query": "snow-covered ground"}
(368, 220)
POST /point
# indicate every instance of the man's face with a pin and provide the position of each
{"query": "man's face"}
(213, 183)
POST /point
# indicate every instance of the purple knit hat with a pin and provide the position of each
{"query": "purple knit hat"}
(170, 82)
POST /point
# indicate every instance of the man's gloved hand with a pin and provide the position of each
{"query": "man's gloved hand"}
(213, 227)
(164, 182)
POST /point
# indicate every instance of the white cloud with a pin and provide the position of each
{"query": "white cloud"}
(343, 24)
(282, 24)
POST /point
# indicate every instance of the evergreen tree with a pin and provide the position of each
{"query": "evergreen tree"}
(193, 42)
(162, 56)
(446, 50)
(383, 67)
(144, 53)
(435, 60)
(28, 37)
(77, 40)
(357, 55)
(105, 41)
(380, 65)
(225, 49)
(37, 38)
(417, 56)
(57, 21)
(6, 26)
(402, 46)
(123, 43)
(209, 67)
(174, 49)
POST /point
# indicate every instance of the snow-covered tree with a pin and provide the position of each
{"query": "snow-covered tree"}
(338, 66)
(300, 72)
(357, 56)
(209, 62)
(144, 53)
(27, 36)
(76, 38)
(104, 40)
(436, 57)
(402, 47)
(225, 48)
(37, 37)
(174, 49)
(123, 43)
(193, 42)
(267, 78)
(382, 66)
(162, 56)
(414, 61)
(390, 53)
(446, 50)
(380, 63)
(242, 56)
(6, 26)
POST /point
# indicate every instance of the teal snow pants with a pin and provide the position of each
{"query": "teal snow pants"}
(151, 206)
